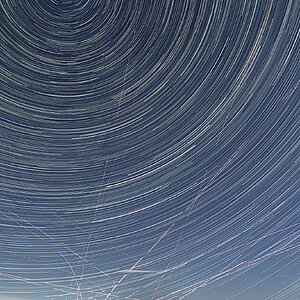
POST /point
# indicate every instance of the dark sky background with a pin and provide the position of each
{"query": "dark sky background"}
(149, 149)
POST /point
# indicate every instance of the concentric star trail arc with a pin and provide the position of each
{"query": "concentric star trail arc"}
(149, 149)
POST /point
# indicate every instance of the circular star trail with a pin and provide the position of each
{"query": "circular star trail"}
(149, 149)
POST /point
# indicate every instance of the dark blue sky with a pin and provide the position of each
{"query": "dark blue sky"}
(149, 149)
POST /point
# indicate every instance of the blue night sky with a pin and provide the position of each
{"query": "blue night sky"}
(149, 149)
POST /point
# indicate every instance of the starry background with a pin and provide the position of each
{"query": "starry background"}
(149, 149)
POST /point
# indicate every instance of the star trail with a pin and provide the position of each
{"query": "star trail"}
(149, 149)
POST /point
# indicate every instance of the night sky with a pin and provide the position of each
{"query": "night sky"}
(149, 149)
